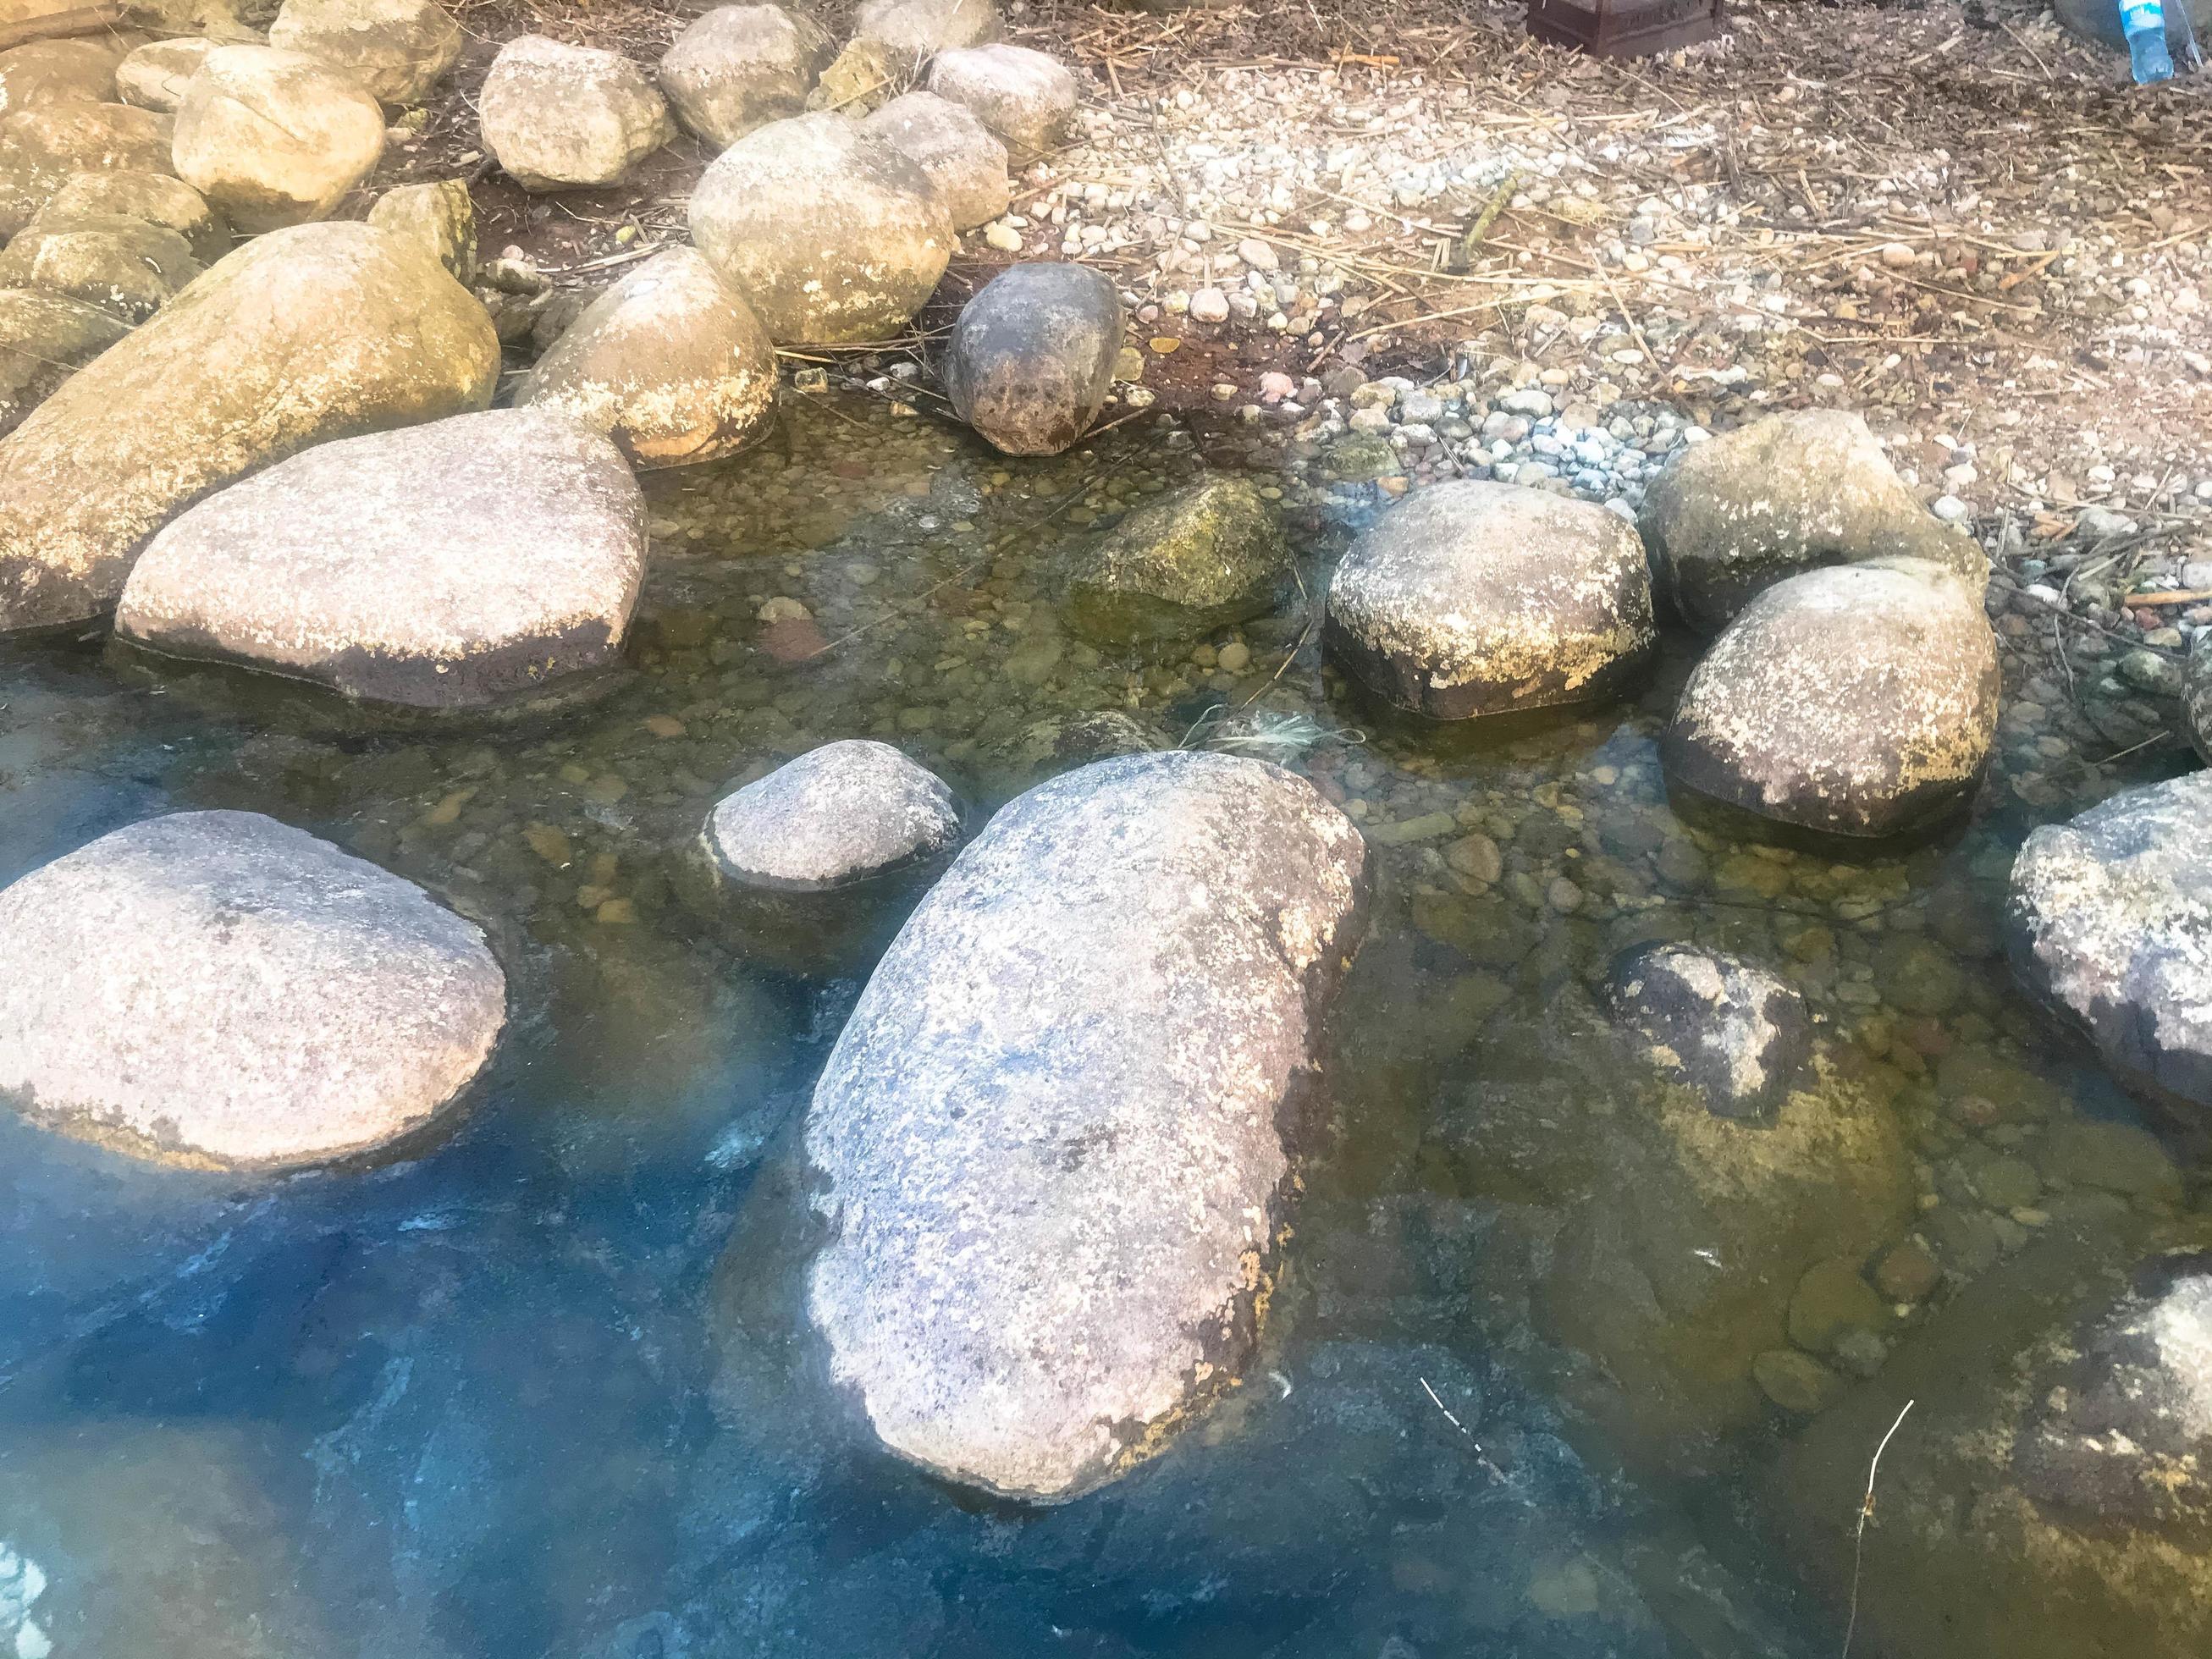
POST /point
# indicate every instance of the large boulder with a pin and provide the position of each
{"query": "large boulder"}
(559, 116)
(1734, 1032)
(669, 362)
(298, 337)
(79, 71)
(44, 339)
(462, 563)
(1031, 359)
(1057, 1134)
(395, 48)
(2109, 924)
(1789, 493)
(221, 990)
(846, 812)
(832, 236)
(439, 217)
(740, 67)
(274, 138)
(1025, 96)
(40, 149)
(2196, 697)
(962, 156)
(1194, 560)
(1859, 699)
(914, 30)
(124, 266)
(154, 77)
(155, 198)
(1482, 599)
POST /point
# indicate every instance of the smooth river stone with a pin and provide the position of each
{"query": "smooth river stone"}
(841, 813)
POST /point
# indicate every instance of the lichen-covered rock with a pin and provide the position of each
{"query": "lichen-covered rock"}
(2108, 923)
(80, 71)
(739, 67)
(439, 217)
(221, 990)
(846, 812)
(395, 48)
(455, 564)
(669, 362)
(301, 337)
(154, 75)
(44, 339)
(1031, 357)
(1025, 96)
(155, 198)
(1056, 1135)
(274, 138)
(1733, 1031)
(914, 30)
(559, 116)
(1479, 598)
(40, 149)
(962, 156)
(125, 266)
(866, 76)
(1789, 493)
(831, 235)
(1859, 699)
(1194, 560)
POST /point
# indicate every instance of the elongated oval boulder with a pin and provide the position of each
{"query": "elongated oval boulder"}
(275, 138)
(1057, 1132)
(1026, 97)
(79, 71)
(1733, 1031)
(44, 339)
(220, 990)
(560, 117)
(1177, 568)
(832, 236)
(2108, 923)
(458, 563)
(125, 266)
(154, 75)
(1789, 493)
(395, 48)
(845, 813)
(1482, 599)
(669, 362)
(963, 157)
(301, 337)
(155, 198)
(739, 67)
(1858, 700)
(40, 149)
(1031, 359)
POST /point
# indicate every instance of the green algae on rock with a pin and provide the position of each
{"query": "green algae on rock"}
(1179, 567)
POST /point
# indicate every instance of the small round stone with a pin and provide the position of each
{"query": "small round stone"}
(841, 813)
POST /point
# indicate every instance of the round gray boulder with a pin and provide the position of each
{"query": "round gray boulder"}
(44, 339)
(155, 198)
(153, 76)
(916, 30)
(1859, 699)
(41, 149)
(124, 266)
(559, 116)
(1482, 599)
(739, 67)
(396, 49)
(459, 563)
(1733, 1031)
(1025, 96)
(1031, 359)
(1196, 559)
(962, 156)
(274, 138)
(220, 990)
(1056, 1134)
(848, 812)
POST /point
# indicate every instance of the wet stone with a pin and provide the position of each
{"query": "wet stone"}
(1796, 1382)
(1031, 357)
(1830, 1300)
(1727, 1028)
(1177, 568)
(845, 813)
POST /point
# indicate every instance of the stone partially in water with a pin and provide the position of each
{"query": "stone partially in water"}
(398, 49)
(125, 267)
(1031, 358)
(1732, 1031)
(40, 149)
(1056, 1133)
(845, 813)
(1732, 516)
(2196, 696)
(1481, 598)
(1027, 97)
(155, 198)
(560, 117)
(1858, 700)
(1181, 566)
(962, 156)
(275, 138)
(221, 990)
(44, 339)
(458, 563)
(299, 337)
(739, 67)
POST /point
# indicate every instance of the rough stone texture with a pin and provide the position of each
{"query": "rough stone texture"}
(462, 562)
(221, 990)
(439, 217)
(1031, 359)
(669, 362)
(2109, 921)
(1732, 1031)
(558, 116)
(2196, 696)
(1194, 560)
(1859, 699)
(1789, 493)
(740, 67)
(1479, 598)
(962, 156)
(1056, 1134)
(44, 339)
(80, 71)
(301, 337)
(155, 198)
(913, 30)
(398, 49)
(122, 265)
(1026, 97)
(40, 149)
(274, 138)
(841, 813)
(154, 75)
(833, 236)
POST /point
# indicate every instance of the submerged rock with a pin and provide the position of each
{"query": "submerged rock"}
(1026, 97)
(124, 266)
(1481, 598)
(155, 198)
(299, 337)
(1732, 1031)
(1858, 700)
(559, 116)
(962, 156)
(454, 564)
(847, 811)
(396, 49)
(739, 67)
(40, 149)
(1057, 1132)
(223, 991)
(1181, 566)
(1789, 493)
(44, 339)
(437, 218)
(275, 138)
(41, 72)
(1031, 359)
(154, 75)
(670, 362)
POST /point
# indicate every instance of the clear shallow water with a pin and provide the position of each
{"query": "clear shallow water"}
(545, 1388)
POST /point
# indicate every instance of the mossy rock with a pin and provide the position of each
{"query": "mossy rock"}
(1179, 568)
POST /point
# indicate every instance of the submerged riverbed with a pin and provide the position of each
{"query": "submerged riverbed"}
(544, 1386)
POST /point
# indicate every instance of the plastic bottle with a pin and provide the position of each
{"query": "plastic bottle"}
(2143, 21)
